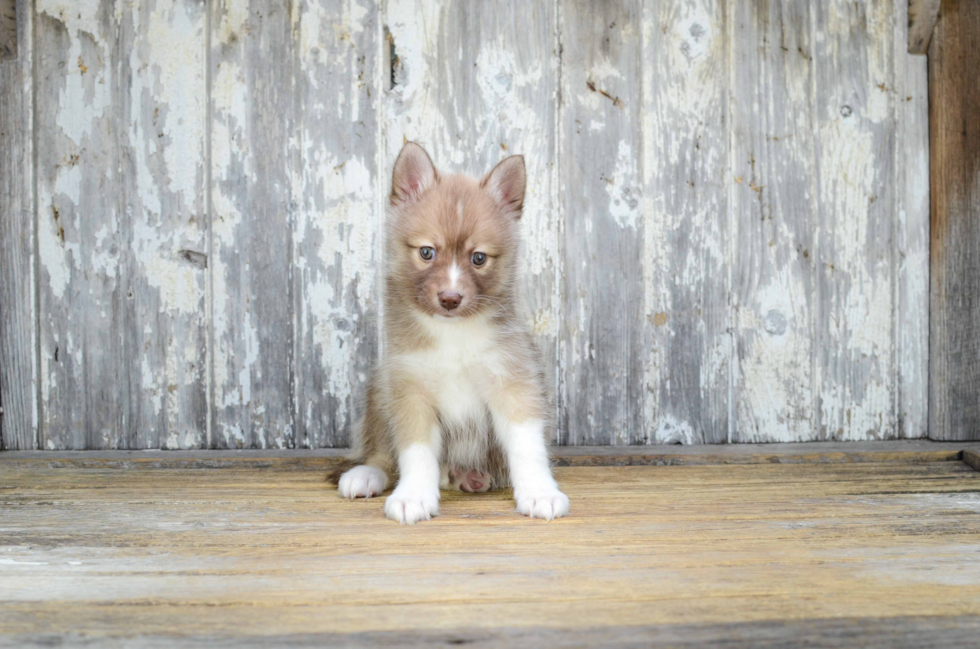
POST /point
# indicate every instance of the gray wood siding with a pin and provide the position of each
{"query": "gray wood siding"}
(726, 226)
(252, 120)
(954, 370)
(18, 327)
(686, 222)
(122, 223)
(603, 352)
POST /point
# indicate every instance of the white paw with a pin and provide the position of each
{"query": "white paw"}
(544, 503)
(362, 482)
(410, 505)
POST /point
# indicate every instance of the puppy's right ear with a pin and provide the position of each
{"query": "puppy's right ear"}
(413, 174)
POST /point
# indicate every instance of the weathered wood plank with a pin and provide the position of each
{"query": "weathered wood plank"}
(121, 223)
(337, 180)
(474, 83)
(8, 30)
(324, 459)
(954, 128)
(775, 213)
(252, 292)
(18, 344)
(605, 342)
(828, 309)
(899, 632)
(686, 222)
(911, 215)
(853, 256)
(244, 552)
(972, 458)
(922, 16)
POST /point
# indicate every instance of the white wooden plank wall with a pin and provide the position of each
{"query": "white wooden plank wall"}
(726, 223)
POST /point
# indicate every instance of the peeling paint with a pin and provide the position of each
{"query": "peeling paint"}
(678, 305)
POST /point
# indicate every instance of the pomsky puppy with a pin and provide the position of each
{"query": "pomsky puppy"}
(459, 399)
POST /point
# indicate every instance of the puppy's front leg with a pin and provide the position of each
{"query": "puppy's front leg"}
(418, 440)
(535, 490)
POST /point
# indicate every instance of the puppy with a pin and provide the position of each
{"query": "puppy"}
(460, 398)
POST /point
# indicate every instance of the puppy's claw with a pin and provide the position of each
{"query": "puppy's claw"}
(408, 507)
(362, 482)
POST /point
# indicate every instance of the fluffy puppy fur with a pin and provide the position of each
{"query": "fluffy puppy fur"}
(459, 399)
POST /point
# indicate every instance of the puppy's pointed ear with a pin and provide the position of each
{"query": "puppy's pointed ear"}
(413, 174)
(506, 184)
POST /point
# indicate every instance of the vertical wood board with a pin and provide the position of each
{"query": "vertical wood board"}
(686, 254)
(774, 213)
(605, 352)
(18, 342)
(121, 224)
(854, 119)
(337, 217)
(252, 121)
(911, 168)
(954, 120)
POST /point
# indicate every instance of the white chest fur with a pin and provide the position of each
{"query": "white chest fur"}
(459, 368)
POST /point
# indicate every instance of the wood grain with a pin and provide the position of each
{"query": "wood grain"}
(900, 632)
(954, 129)
(605, 333)
(238, 553)
(121, 214)
(324, 460)
(8, 29)
(972, 458)
(687, 253)
(853, 257)
(725, 230)
(776, 207)
(337, 182)
(18, 342)
(922, 19)
(829, 318)
(252, 122)
(911, 168)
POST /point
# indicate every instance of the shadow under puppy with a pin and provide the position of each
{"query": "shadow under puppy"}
(460, 397)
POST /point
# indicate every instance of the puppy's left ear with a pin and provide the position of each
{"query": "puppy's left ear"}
(506, 184)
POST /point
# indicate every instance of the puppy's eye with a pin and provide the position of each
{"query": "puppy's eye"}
(427, 253)
(479, 258)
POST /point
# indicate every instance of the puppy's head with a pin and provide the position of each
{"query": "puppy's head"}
(452, 239)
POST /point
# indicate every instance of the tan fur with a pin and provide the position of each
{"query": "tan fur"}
(456, 216)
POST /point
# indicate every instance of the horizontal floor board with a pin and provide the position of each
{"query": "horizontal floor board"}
(657, 455)
(761, 553)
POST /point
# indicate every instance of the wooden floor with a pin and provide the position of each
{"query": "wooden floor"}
(239, 552)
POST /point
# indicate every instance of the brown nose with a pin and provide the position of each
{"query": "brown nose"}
(450, 301)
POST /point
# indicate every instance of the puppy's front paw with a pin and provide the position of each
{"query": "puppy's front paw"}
(409, 505)
(362, 482)
(544, 503)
